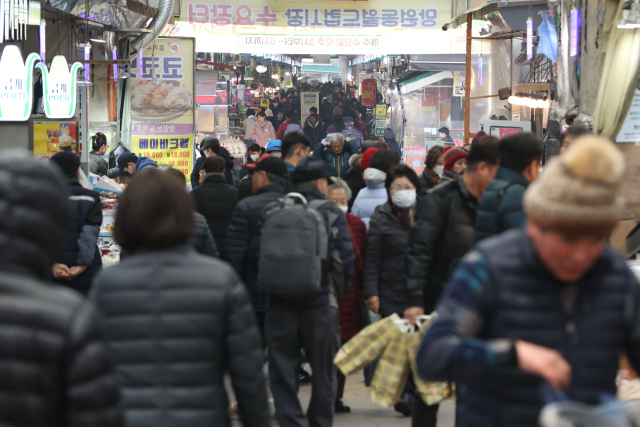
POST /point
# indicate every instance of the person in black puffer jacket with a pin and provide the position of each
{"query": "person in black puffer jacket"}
(177, 321)
(434, 166)
(80, 259)
(216, 199)
(243, 234)
(56, 367)
(443, 230)
(202, 239)
(388, 244)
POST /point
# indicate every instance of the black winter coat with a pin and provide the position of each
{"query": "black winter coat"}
(81, 244)
(311, 133)
(175, 322)
(202, 240)
(355, 181)
(245, 189)
(216, 200)
(426, 182)
(243, 239)
(195, 174)
(442, 235)
(384, 264)
(56, 370)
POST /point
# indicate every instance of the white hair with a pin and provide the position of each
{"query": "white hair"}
(337, 184)
(336, 137)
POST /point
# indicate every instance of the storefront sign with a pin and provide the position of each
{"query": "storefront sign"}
(60, 88)
(630, 130)
(173, 150)
(264, 103)
(309, 99)
(288, 26)
(50, 137)
(381, 119)
(368, 91)
(162, 89)
(415, 158)
(16, 83)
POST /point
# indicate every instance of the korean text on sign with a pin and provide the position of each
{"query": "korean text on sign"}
(228, 14)
(176, 151)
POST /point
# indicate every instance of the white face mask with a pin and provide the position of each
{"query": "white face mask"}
(404, 198)
(439, 169)
(255, 157)
(277, 154)
(344, 208)
(374, 176)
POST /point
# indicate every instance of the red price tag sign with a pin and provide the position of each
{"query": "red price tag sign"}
(369, 92)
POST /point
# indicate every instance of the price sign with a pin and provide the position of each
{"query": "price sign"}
(173, 150)
(369, 92)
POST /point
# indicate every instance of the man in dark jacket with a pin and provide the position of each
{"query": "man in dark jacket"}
(542, 309)
(336, 153)
(216, 199)
(80, 259)
(442, 235)
(501, 206)
(443, 230)
(208, 147)
(309, 324)
(243, 234)
(295, 147)
(55, 364)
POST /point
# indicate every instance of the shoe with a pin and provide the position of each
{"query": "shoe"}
(404, 405)
(305, 377)
(341, 408)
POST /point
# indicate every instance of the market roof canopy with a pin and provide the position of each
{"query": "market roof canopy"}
(423, 80)
(318, 68)
(374, 26)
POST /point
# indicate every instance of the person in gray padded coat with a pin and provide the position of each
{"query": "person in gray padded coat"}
(176, 321)
(55, 369)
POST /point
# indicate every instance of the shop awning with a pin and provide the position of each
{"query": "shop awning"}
(443, 62)
(319, 68)
(423, 80)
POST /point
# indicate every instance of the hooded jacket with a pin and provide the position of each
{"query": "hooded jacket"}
(215, 200)
(293, 128)
(338, 164)
(262, 134)
(368, 199)
(176, 322)
(248, 124)
(311, 132)
(57, 370)
(350, 131)
(145, 163)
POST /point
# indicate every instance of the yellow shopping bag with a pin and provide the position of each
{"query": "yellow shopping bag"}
(392, 372)
(365, 347)
(431, 392)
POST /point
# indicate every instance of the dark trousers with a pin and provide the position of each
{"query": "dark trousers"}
(287, 333)
(423, 414)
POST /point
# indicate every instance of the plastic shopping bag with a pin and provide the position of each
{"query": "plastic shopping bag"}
(365, 347)
(392, 372)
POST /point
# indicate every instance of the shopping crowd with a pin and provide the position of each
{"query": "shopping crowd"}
(276, 264)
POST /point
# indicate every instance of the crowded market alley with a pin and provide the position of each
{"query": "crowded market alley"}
(275, 213)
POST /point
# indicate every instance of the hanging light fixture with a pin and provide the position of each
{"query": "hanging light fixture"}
(114, 52)
(140, 63)
(87, 66)
(43, 40)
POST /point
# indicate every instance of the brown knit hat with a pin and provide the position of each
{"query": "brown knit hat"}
(579, 188)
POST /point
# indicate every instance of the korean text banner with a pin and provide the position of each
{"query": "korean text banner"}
(289, 26)
(173, 150)
(162, 96)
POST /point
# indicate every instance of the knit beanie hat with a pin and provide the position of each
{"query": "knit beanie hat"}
(448, 148)
(451, 157)
(366, 158)
(579, 187)
(68, 162)
(478, 136)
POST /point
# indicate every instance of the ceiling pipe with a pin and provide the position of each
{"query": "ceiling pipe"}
(163, 15)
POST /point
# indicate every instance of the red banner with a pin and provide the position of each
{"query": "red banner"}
(369, 87)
